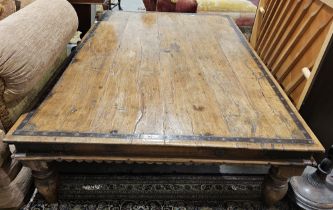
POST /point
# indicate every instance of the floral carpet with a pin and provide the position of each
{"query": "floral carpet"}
(40, 204)
(151, 192)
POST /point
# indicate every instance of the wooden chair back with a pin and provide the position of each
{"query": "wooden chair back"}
(291, 37)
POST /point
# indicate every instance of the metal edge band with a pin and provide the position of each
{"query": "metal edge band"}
(161, 137)
(20, 132)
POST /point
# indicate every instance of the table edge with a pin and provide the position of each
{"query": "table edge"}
(308, 140)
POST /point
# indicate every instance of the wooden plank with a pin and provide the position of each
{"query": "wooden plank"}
(302, 51)
(161, 160)
(298, 91)
(328, 3)
(185, 113)
(279, 28)
(184, 84)
(296, 38)
(288, 33)
(268, 16)
(271, 24)
(282, 29)
(257, 23)
(305, 52)
(292, 84)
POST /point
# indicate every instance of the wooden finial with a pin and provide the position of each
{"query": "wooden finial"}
(306, 72)
(262, 10)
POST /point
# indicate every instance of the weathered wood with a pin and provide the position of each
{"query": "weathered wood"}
(293, 38)
(276, 183)
(282, 28)
(163, 160)
(328, 2)
(257, 23)
(46, 179)
(185, 89)
(171, 79)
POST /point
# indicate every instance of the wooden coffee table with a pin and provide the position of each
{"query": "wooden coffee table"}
(166, 88)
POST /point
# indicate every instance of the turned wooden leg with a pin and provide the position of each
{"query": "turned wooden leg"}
(276, 182)
(46, 179)
(275, 187)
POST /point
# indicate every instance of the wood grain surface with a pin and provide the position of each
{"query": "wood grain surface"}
(167, 79)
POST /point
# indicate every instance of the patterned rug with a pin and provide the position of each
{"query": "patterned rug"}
(162, 192)
(156, 205)
(160, 187)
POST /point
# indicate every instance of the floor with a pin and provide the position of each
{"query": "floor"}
(132, 5)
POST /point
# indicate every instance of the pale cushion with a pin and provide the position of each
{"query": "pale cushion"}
(31, 40)
(226, 6)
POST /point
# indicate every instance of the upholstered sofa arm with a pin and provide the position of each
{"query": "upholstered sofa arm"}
(31, 42)
(32, 45)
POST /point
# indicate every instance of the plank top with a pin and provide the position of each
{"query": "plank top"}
(168, 79)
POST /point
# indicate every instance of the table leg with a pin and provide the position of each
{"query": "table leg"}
(276, 182)
(86, 14)
(46, 179)
(119, 5)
